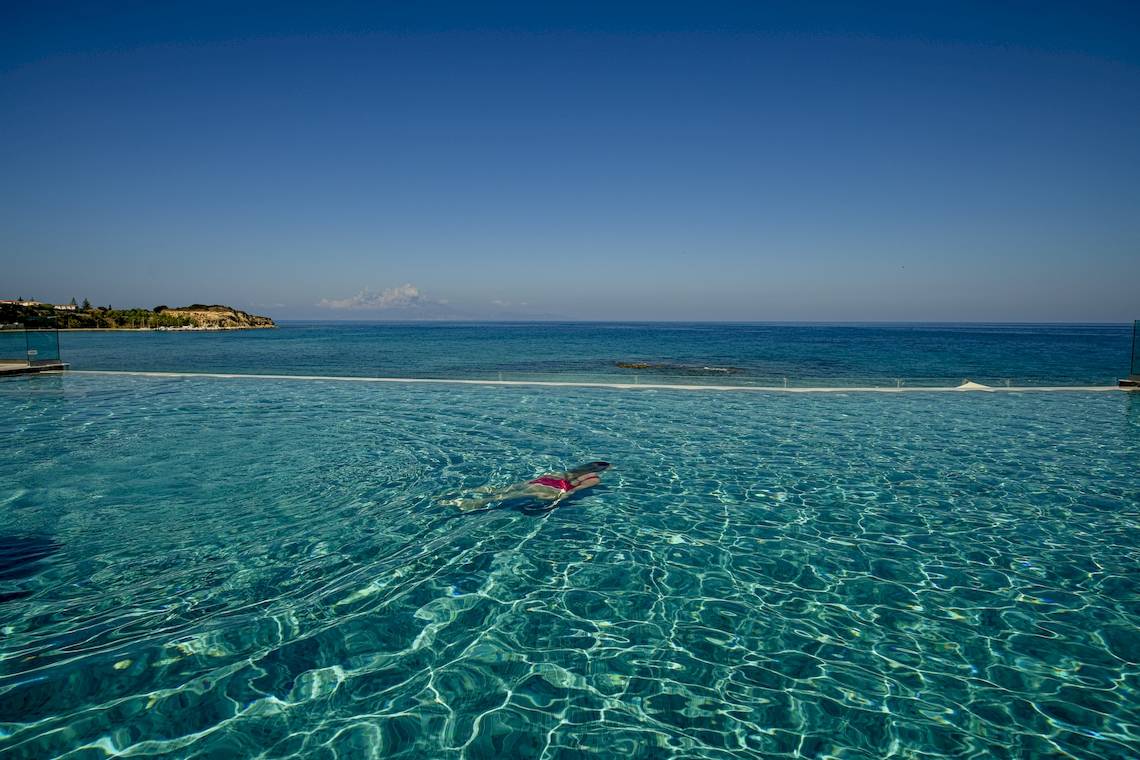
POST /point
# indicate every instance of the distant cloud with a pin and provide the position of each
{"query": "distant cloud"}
(393, 298)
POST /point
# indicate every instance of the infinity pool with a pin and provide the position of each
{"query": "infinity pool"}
(214, 568)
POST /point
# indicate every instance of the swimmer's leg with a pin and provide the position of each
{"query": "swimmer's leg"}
(469, 504)
(466, 505)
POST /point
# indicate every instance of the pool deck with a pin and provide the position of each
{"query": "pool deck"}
(23, 368)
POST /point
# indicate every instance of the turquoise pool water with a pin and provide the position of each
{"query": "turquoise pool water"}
(220, 568)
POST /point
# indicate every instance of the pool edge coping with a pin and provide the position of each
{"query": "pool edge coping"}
(614, 386)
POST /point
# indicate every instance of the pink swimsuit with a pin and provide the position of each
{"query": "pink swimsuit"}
(553, 482)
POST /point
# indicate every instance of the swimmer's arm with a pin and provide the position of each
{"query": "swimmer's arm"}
(585, 481)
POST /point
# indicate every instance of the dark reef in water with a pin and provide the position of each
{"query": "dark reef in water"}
(680, 369)
(20, 557)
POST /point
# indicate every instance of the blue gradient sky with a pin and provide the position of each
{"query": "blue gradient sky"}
(902, 161)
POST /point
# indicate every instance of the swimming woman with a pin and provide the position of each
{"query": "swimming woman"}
(552, 487)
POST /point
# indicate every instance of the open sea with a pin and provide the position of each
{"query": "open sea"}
(737, 354)
(204, 567)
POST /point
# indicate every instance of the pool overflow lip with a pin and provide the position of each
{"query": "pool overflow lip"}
(966, 386)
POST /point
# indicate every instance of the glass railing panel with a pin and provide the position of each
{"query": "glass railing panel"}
(43, 340)
(43, 346)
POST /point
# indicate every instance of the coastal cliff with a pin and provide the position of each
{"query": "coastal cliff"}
(218, 317)
(193, 317)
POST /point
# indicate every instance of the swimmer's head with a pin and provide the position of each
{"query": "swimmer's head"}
(591, 467)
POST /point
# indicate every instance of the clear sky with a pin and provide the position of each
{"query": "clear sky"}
(754, 161)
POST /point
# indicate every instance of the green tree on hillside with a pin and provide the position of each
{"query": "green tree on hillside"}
(86, 305)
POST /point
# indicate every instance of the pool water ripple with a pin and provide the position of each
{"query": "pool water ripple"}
(227, 568)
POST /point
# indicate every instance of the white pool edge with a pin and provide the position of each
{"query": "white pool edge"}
(618, 386)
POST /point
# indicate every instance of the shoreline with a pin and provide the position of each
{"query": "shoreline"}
(164, 329)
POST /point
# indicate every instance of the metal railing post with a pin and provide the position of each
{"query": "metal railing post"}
(1133, 369)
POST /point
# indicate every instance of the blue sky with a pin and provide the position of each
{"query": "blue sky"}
(894, 161)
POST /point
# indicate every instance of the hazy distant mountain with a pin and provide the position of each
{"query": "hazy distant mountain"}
(407, 302)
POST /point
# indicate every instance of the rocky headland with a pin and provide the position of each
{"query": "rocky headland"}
(193, 317)
(217, 317)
